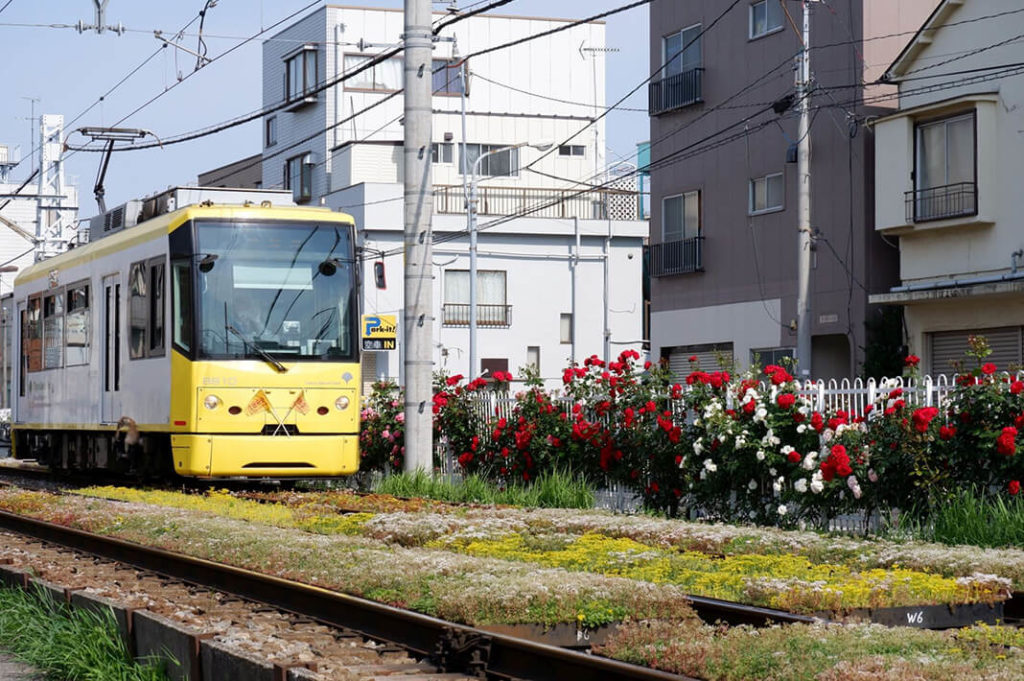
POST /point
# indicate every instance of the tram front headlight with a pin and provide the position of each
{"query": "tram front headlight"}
(211, 402)
(341, 404)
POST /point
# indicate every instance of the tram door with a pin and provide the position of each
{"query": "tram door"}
(112, 323)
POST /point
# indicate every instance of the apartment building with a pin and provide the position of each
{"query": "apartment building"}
(724, 184)
(561, 281)
(947, 167)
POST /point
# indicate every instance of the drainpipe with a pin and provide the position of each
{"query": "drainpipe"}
(574, 263)
(607, 302)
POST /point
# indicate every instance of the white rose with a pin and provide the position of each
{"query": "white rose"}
(782, 509)
(752, 485)
(800, 485)
(772, 472)
(801, 429)
(710, 466)
(760, 455)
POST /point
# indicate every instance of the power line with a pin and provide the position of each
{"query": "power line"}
(6, 5)
(589, 105)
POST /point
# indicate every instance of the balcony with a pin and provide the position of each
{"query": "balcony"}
(619, 204)
(677, 257)
(939, 203)
(493, 316)
(675, 92)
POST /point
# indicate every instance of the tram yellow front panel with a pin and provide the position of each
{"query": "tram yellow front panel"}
(258, 455)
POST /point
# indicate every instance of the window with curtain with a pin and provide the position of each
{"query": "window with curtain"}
(766, 17)
(944, 174)
(681, 217)
(681, 51)
(492, 308)
(766, 193)
(386, 76)
(77, 324)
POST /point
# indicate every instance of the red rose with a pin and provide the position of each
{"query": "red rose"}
(923, 417)
(693, 358)
(1016, 387)
(911, 360)
(786, 400)
(1014, 487)
(988, 368)
(794, 457)
(947, 432)
(1006, 442)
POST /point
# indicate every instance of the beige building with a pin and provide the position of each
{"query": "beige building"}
(947, 169)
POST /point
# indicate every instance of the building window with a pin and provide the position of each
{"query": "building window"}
(32, 336)
(572, 150)
(386, 76)
(270, 132)
(447, 79)
(681, 51)
(181, 302)
(765, 356)
(300, 75)
(53, 331)
(77, 324)
(681, 217)
(565, 328)
(766, 193)
(492, 308)
(441, 152)
(944, 170)
(503, 164)
(298, 176)
(533, 358)
(765, 17)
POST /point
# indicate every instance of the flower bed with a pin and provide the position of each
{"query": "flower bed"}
(749, 569)
(750, 448)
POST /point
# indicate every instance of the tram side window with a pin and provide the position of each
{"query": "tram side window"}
(32, 335)
(53, 331)
(156, 308)
(181, 301)
(76, 325)
(138, 310)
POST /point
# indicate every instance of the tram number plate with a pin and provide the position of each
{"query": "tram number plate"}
(379, 344)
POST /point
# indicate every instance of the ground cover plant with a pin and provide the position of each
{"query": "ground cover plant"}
(68, 643)
(821, 652)
(555, 489)
(770, 578)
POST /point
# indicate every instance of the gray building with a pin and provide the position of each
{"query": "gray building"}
(723, 254)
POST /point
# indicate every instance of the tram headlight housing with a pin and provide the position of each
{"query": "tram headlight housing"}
(211, 402)
(341, 404)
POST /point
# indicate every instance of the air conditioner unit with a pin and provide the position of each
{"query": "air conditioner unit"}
(115, 220)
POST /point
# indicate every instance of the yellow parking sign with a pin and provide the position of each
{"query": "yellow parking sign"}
(380, 332)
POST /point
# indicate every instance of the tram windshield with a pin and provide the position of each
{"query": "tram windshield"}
(276, 290)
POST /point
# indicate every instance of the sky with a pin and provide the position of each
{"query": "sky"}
(47, 66)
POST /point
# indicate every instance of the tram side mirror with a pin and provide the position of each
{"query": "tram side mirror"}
(329, 267)
(206, 264)
(378, 275)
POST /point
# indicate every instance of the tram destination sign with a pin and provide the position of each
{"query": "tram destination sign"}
(380, 332)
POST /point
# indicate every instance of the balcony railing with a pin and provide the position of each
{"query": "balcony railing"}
(677, 257)
(675, 92)
(937, 203)
(457, 314)
(621, 204)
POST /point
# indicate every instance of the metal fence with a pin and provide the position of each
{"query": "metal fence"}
(620, 204)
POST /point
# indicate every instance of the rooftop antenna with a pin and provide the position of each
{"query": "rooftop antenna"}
(110, 136)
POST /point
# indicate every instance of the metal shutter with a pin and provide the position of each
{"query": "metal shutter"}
(707, 355)
(950, 347)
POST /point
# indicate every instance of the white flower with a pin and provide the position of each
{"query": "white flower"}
(817, 482)
(752, 485)
(760, 455)
(872, 475)
(786, 450)
(800, 485)
(810, 461)
(782, 509)
(854, 486)
(777, 486)
(682, 460)
(698, 446)
(827, 435)
(801, 428)
(710, 466)
(697, 422)
(722, 438)
(803, 408)
(760, 414)
(842, 427)
(772, 472)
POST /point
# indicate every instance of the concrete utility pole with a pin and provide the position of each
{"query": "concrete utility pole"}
(418, 323)
(803, 204)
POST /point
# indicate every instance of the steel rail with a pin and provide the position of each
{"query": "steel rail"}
(453, 647)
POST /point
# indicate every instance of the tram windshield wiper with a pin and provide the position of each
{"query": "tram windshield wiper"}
(265, 356)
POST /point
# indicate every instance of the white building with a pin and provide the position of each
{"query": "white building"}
(948, 167)
(548, 284)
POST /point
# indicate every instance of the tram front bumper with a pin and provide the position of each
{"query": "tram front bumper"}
(297, 456)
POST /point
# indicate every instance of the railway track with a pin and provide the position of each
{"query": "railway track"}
(446, 648)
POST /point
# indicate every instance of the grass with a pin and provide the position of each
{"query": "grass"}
(67, 643)
(552, 490)
(969, 517)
